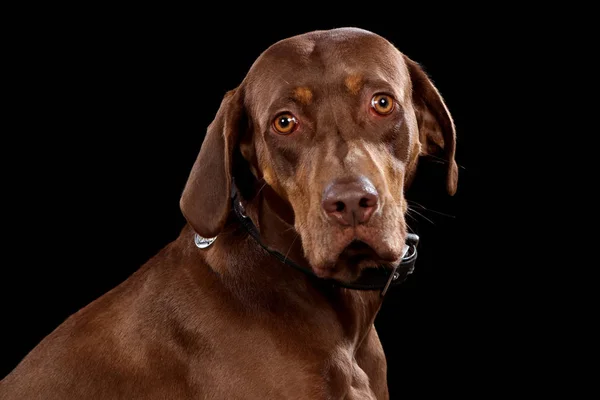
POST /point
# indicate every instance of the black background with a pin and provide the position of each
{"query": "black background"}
(111, 112)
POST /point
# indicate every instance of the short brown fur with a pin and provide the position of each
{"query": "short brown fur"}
(354, 83)
(303, 95)
(231, 321)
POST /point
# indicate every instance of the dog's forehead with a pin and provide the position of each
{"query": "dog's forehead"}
(345, 55)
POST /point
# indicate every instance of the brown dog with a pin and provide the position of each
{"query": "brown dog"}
(321, 138)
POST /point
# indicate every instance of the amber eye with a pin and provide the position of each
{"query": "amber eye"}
(285, 123)
(382, 104)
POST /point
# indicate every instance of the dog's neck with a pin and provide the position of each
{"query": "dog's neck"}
(258, 279)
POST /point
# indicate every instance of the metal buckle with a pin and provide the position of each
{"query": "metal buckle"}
(241, 209)
(395, 274)
(202, 242)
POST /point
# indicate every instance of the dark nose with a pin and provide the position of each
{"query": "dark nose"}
(350, 202)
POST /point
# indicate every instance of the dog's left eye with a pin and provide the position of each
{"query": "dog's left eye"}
(382, 104)
(285, 123)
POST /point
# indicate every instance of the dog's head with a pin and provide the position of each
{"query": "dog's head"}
(334, 123)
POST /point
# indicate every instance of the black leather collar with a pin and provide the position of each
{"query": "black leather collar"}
(371, 278)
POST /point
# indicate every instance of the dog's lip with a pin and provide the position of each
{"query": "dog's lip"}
(364, 247)
(357, 250)
(360, 252)
(354, 257)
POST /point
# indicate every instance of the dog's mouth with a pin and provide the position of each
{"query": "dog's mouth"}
(357, 253)
(355, 257)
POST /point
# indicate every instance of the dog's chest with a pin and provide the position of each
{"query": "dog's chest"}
(271, 372)
(345, 379)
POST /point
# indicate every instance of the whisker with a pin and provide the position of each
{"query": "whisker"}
(430, 210)
(261, 188)
(440, 160)
(432, 157)
(288, 229)
(408, 214)
(290, 248)
(434, 161)
(300, 226)
(418, 213)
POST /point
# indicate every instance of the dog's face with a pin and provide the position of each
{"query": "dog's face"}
(334, 122)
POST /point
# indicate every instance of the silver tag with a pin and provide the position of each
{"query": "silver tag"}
(202, 242)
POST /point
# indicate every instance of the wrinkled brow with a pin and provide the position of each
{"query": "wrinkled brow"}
(381, 85)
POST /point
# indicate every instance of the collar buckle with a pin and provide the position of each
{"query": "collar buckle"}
(393, 276)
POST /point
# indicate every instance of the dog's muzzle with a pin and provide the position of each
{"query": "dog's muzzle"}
(374, 278)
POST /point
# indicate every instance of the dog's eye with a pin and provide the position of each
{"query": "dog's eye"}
(285, 123)
(382, 104)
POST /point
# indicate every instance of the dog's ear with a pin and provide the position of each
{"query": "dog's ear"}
(205, 202)
(436, 127)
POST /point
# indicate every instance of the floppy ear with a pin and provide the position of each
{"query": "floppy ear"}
(205, 202)
(436, 127)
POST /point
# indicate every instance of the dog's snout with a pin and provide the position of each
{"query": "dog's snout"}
(350, 202)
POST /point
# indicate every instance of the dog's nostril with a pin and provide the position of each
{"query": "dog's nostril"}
(350, 202)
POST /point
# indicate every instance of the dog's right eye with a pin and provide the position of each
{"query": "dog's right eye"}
(285, 123)
(382, 104)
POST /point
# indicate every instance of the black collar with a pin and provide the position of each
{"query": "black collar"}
(379, 278)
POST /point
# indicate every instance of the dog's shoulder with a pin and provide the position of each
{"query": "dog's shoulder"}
(112, 338)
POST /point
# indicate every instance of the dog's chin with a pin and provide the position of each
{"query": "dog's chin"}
(352, 260)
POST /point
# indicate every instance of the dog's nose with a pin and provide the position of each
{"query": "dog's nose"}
(350, 202)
